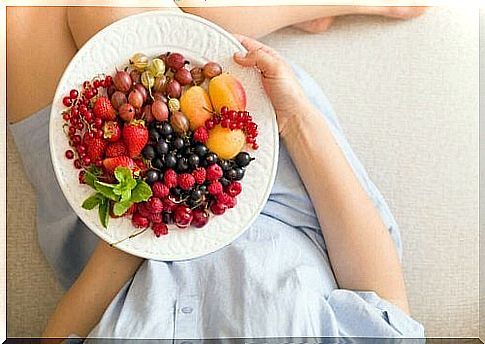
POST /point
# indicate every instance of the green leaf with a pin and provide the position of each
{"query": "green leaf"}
(106, 190)
(123, 174)
(126, 195)
(121, 207)
(90, 179)
(92, 202)
(95, 171)
(141, 192)
(104, 213)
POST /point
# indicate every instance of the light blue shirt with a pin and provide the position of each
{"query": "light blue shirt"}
(273, 281)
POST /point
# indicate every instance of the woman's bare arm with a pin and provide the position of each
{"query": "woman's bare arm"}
(81, 308)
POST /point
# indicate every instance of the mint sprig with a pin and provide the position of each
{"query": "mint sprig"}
(122, 195)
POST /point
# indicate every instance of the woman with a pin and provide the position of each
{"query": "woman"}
(319, 261)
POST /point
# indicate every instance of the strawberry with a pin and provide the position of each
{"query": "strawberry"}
(116, 149)
(135, 135)
(103, 109)
(110, 164)
(95, 147)
(112, 131)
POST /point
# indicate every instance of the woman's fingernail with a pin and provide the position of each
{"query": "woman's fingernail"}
(238, 55)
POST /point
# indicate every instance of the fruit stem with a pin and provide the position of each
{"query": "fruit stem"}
(129, 237)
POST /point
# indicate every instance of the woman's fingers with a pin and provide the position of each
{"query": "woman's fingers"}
(259, 56)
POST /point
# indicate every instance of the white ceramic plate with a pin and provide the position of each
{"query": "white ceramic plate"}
(200, 41)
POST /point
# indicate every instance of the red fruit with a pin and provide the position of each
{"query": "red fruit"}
(218, 208)
(186, 181)
(170, 178)
(135, 136)
(223, 198)
(215, 188)
(154, 205)
(95, 147)
(139, 221)
(183, 216)
(159, 229)
(199, 175)
(201, 135)
(141, 165)
(214, 172)
(116, 149)
(110, 164)
(82, 177)
(69, 154)
(127, 112)
(231, 202)
(160, 190)
(155, 218)
(234, 189)
(112, 131)
(143, 210)
(200, 218)
(168, 205)
(103, 109)
(175, 61)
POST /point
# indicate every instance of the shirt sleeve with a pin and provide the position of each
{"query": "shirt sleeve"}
(365, 314)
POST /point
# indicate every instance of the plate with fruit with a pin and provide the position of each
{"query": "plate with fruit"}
(161, 143)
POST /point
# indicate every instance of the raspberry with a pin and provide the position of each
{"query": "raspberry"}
(215, 188)
(186, 181)
(214, 172)
(160, 190)
(224, 198)
(139, 221)
(199, 175)
(170, 178)
(168, 205)
(218, 208)
(143, 210)
(201, 135)
(231, 202)
(234, 189)
(155, 218)
(154, 205)
(160, 229)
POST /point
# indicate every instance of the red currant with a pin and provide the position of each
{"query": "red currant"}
(81, 149)
(73, 94)
(67, 101)
(98, 122)
(88, 116)
(99, 163)
(77, 164)
(66, 117)
(225, 123)
(89, 94)
(86, 84)
(69, 154)
(86, 161)
(224, 110)
(96, 83)
(209, 124)
(108, 81)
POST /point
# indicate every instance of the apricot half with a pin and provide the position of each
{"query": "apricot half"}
(196, 106)
(226, 90)
(226, 143)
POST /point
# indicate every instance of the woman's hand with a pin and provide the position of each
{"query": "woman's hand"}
(278, 79)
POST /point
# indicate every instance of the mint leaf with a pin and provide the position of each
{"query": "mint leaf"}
(92, 202)
(121, 207)
(90, 179)
(141, 192)
(96, 171)
(104, 212)
(123, 174)
(106, 190)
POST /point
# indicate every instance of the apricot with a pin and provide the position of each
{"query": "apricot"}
(226, 90)
(196, 106)
(226, 143)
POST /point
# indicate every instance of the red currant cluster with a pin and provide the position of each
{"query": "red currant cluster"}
(234, 120)
(84, 130)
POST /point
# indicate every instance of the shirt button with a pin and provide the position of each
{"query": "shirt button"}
(187, 310)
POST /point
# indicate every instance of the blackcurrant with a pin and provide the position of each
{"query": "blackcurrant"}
(196, 195)
(201, 150)
(167, 218)
(182, 165)
(148, 152)
(166, 129)
(242, 159)
(158, 163)
(193, 160)
(161, 147)
(225, 182)
(211, 158)
(203, 188)
(170, 160)
(239, 173)
(178, 143)
(231, 174)
(225, 165)
(154, 135)
(176, 191)
(152, 176)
